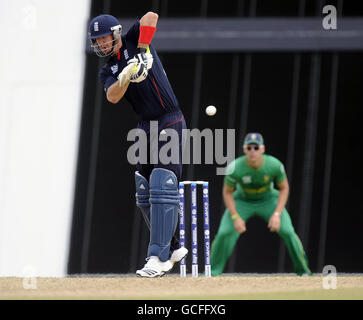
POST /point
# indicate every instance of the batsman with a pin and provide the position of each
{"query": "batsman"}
(247, 192)
(134, 71)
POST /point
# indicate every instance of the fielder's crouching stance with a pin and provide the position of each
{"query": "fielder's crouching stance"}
(247, 192)
(135, 72)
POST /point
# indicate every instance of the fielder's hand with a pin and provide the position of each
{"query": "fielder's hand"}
(274, 223)
(125, 75)
(240, 225)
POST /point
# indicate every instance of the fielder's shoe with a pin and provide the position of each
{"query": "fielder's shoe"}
(178, 255)
(154, 268)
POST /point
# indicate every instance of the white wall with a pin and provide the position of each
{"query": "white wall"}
(41, 83)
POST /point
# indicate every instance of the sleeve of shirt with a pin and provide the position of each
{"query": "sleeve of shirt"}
(133, 33)
(106, 78)
(280, 172)
(230, 178)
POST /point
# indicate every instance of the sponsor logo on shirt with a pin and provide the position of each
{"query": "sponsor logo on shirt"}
(126, 54)
(246, 179)
(114, 68)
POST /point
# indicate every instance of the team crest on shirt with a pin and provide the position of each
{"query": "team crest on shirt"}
(114, 68)
(246, 179)
(266, 178)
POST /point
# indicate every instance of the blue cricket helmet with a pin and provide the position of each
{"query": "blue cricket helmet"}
(101, 26)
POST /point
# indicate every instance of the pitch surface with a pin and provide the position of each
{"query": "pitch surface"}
(226, 287)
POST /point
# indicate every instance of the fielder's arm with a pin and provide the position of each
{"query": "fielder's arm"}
(238, 222)
(229, 200)
(284, 190)
(274, 223)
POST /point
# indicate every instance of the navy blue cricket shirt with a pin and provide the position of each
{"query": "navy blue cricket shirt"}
(150, 98)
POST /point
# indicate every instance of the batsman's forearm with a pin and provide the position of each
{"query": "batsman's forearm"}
(115, 92)
(147, 29)
(149, 19)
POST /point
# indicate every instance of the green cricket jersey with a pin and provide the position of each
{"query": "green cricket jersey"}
(255, 196)
(254, 184)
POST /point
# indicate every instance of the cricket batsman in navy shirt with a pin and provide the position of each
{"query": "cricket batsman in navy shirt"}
(135, 72)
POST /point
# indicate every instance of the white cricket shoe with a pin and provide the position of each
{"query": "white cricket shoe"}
(154, 268)
(178, 255)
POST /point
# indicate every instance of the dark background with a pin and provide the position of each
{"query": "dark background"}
(307, 105)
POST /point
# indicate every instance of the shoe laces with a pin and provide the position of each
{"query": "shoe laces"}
(152, 263)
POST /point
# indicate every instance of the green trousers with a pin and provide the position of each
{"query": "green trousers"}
(226, 238)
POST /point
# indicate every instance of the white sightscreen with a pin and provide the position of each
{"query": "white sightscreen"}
(41, 83)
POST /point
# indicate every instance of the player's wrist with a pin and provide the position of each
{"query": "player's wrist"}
(235, 216)
(146, 33)
(277, 214)
(141, 50)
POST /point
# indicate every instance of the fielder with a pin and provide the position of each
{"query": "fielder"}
(248, 191)
(135, 72)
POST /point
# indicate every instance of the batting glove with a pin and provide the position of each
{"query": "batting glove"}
(144, 61)
(139, 71)
(144, 56)
(125, 75)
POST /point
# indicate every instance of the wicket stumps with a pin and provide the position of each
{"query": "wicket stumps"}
(194, 234)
